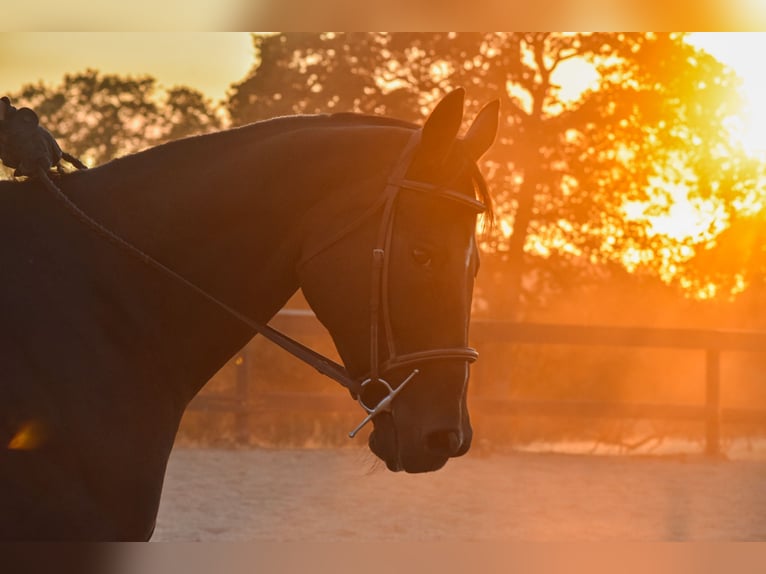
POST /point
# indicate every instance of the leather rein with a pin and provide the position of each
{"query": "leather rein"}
(379, 311)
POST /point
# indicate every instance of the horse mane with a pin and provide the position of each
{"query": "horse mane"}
(368, 119)
(266, 127)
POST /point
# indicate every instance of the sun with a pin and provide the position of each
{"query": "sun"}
(743, 52)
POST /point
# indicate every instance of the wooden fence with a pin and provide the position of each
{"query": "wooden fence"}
(246, 401)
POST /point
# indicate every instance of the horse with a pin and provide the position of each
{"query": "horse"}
(113, 319)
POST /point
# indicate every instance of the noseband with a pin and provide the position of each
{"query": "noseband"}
(378, 300)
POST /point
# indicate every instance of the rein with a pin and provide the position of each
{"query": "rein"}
(379, 311)
(324, 365)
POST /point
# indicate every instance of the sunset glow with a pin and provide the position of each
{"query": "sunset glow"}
(213, 62)
(743, 52)
(207, 61)
(296, 290)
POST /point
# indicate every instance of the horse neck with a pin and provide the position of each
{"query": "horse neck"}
(228, 221)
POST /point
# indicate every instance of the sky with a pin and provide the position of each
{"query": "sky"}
(743, 51)
(392, 15)
(212, 61)
(208, 61)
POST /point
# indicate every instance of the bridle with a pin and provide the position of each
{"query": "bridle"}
(379, 300)
(379, 304)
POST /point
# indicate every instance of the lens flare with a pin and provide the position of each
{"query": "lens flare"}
(29, 436)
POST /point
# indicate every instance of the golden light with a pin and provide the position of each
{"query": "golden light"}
(170, 15)
(574, 77)
(29, 436)
(209, 62)
(743, 52)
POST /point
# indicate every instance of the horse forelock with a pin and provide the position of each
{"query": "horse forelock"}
(481, 189)
(462, 165)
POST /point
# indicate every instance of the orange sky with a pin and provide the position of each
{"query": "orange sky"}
(208, 61)
(211, 61)
(343, 15)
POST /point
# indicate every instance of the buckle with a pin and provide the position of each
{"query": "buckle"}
(370, 390)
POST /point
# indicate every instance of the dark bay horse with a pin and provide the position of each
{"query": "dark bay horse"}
(101, 352)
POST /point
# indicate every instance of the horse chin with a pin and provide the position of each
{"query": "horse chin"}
(424, 464)
(384, 444)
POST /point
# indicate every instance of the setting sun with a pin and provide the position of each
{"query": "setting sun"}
(742, 52)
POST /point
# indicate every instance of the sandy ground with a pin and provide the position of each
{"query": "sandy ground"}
(341, 495)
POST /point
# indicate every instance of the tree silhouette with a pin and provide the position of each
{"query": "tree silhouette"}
(562, 171)
(98, 117)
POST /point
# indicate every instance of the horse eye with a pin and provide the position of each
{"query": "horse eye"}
(422, 257)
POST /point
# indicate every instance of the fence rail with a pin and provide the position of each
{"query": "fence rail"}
(590, 335)
(712, 343)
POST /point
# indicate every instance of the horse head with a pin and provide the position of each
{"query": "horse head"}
(394, 289)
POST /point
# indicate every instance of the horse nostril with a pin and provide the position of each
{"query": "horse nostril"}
(443, 442)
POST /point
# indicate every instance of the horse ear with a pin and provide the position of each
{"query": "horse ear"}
(481, 134)
(442, 125)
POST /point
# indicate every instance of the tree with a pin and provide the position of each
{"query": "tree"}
(657, 106)
(98, 117)
(563, 172)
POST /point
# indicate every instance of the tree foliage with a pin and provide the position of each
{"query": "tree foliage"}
(579, 181)
(98, 117)
(563, 170)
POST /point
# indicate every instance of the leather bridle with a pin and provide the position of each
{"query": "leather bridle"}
(379, 300)
(379, 304)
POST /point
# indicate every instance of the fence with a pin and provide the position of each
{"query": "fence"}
(711, 343)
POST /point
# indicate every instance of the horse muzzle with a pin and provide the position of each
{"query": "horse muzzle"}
(407, 435)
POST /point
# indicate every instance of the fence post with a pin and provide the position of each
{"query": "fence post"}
(712, 402)
(242, 363)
